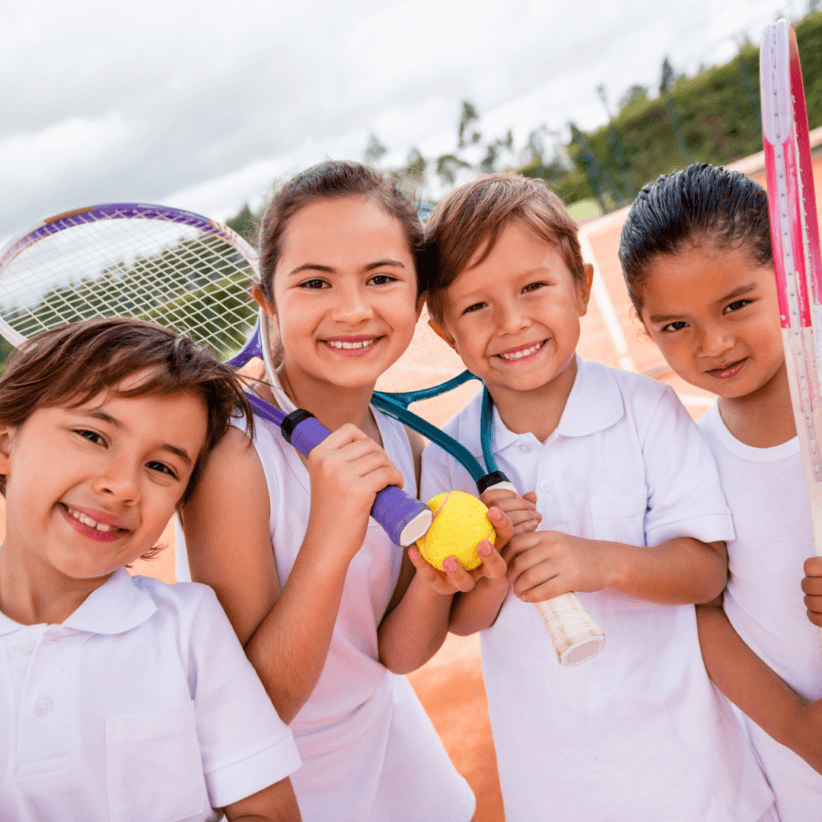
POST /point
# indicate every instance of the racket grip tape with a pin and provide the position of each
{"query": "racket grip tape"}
(574, 634)
(403, 518)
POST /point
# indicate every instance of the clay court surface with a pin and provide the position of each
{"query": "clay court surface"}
(450, 685)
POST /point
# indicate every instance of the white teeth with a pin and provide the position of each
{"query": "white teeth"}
(362, 344)
(91, 523)
(526, 352)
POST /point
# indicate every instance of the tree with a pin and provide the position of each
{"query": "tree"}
(415, 167)
(668, 78)
(634, 94)
(448, 166)
(374, 151)
(244, 223)
(467, 132)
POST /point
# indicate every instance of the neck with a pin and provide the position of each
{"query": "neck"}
(332, 405)
(765, 417)
(31, 594)
(537, 411)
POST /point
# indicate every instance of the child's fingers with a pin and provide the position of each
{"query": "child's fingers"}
(503, 526)
(461, 579)
(429, 575)
(813, 568)
(812, 588)
(493, 565)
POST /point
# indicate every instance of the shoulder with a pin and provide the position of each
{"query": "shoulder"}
(180, 597)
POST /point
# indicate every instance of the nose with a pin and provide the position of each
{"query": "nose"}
(715, 340)
(351, 304)
(119, 482)
(511, 318)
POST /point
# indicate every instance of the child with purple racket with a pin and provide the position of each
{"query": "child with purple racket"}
(631, 516)
(310, 583)
(122, 697)
(697, 257)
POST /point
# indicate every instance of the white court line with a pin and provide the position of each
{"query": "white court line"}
(606, 307)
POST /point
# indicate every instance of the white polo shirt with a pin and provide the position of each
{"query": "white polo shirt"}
(140, 706)
(637, 733)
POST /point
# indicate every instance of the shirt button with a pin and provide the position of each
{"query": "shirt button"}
(524, 447)
(24, 646)
(545, 485)
(42, 706)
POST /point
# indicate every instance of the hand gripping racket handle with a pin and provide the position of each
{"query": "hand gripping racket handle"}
(403, 518)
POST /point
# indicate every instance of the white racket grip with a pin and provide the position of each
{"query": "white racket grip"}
(574, 634)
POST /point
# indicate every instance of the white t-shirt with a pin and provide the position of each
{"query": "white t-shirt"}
(140, 706)
(765, 488)
(637, 733)
(369, 751)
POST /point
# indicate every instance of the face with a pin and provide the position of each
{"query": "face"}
(345, 294)
(90, 489)
(714, 314)
(514, 317)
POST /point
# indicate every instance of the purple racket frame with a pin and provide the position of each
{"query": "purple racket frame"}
(404, 518)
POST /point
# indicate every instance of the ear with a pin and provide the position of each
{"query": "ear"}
(7, 433)
(584, 288)
(441, 332)
(262, 301)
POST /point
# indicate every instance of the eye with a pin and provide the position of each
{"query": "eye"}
(382, 279)
(736, 305)
(162, 468)
(675, 326)
(533, 287)
(91, 436)
(315, 283)
(475, 307)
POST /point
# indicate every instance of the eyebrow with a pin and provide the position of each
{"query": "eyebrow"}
(737, 292)
(107, 418)
(327, 269)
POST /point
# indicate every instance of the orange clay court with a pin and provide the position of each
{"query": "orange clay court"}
(450, 685)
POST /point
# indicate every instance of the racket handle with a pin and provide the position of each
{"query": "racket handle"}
(574, 634)
(403, 518)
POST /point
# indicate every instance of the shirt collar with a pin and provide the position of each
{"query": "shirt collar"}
(118, 605)
(594, 404)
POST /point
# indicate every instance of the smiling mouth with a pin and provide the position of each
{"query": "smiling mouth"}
(522, 352)
(89, 522)
(726, 370)
(351, 346)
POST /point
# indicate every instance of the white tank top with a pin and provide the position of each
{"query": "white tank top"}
(352, 673)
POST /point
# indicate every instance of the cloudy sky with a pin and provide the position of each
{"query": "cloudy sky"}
(202, 104)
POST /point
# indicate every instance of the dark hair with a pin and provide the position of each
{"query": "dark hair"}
(335, 179)
(698, 204)
(73, 363)
(476, 213)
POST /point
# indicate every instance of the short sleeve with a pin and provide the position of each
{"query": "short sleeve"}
(245, 746)
(684, 494)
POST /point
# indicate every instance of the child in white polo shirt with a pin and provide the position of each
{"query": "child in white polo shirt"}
(121, 698)
(630, 514)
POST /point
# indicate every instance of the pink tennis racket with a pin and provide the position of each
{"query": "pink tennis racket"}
(795, 237)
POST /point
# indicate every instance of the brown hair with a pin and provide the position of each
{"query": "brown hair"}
(476, 213)
(336, 179)
(71, 364)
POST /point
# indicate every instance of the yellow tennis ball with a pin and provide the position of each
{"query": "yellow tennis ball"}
(460, 522)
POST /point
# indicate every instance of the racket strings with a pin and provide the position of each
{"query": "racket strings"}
(173, 274)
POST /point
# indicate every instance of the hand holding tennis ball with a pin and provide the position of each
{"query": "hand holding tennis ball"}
(460, 524)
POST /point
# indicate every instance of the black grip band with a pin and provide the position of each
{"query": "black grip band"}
(489, 480)
(292, 420)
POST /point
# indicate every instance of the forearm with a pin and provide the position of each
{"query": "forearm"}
(477, 609)
(679, 571)
(415, 629)
(290, 646)
(755, 689)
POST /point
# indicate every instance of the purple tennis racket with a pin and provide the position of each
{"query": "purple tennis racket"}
(172, 267)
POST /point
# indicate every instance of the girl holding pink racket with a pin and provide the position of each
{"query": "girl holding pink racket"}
(697, 259)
